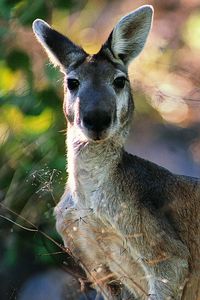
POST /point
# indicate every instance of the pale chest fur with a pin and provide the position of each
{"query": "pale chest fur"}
(91, 177)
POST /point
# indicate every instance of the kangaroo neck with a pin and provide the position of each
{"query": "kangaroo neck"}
(90, 163)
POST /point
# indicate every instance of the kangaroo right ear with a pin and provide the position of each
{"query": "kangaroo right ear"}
(61, 51)
(129, 36)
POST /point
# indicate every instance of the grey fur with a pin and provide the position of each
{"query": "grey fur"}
(132, 225)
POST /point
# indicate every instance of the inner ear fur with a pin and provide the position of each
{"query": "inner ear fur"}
(129, 36)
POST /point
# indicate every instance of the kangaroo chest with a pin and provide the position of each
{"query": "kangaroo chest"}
(91, 182)
(91, 187)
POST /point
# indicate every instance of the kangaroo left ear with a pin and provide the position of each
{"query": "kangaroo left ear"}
(61, 51)
(129, 36)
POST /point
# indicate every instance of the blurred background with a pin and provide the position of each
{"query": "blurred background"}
(166, 127)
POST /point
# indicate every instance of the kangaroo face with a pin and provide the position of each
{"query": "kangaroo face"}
(97, 97)
(98, 100)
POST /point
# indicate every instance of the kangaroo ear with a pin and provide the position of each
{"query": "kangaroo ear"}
(61, 51)
(128, 37)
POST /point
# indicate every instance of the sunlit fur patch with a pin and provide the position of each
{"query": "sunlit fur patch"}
(125, 107)
(68, 109)
(123, 115)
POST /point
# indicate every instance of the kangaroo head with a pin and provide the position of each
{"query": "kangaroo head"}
(98, 99)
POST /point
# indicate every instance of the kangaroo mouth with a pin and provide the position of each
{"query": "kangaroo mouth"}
(96, 136)
(95, 133)
(96, 124)
(99, 136)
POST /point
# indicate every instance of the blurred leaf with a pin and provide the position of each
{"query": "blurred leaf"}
(63, 4)
(49, 97)
(5, 9)
(191, 32)
(30, 106)
(3, 31)
(28, 103)
(53, 74)
(13, 117)
(38, 124)
(11, 254)
(70, 4)
(9, 79)
(27, 11)
(18, 59)
(17, 122)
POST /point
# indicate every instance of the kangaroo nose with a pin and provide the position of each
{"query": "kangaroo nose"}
(97, 120)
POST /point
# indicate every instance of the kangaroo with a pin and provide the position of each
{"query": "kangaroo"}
(132, 225)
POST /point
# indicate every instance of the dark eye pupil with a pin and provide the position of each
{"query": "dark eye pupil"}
(72, 84)
(119, 82)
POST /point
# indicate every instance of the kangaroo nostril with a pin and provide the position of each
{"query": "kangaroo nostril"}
(88, 121)
(107, 121)
(96, 121)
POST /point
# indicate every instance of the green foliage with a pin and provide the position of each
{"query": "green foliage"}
(32, 145)
(27, 11)
(18, 59)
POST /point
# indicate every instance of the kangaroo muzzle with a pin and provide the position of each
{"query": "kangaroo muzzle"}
(96, 123)
(97, 120)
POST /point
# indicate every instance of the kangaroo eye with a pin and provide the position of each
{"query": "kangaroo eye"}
(119, 82)
(72, 84)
